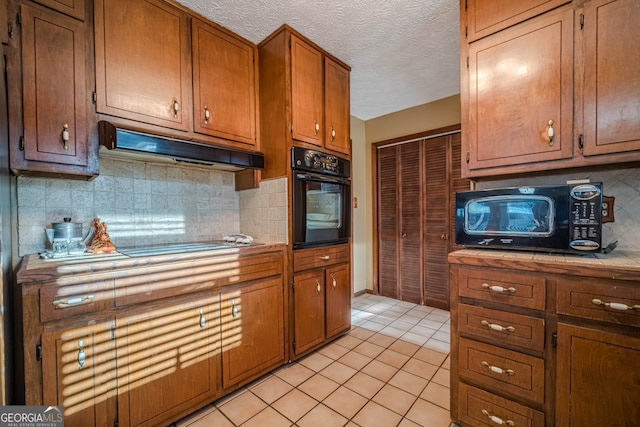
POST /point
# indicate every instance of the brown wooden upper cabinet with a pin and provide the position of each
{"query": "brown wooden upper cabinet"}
(224, 84)
(51, 113)
(612, 81)
(304, 99)
(485, 17)
(143, 62)
(158, 65)
(548, 85)
(74, 8)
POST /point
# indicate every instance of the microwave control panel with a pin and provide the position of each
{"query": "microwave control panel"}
(585, 225)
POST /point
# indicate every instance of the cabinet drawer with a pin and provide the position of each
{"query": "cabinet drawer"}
(509, 328)
(305, 259)
(480, 408)
(509, 371)
(515, 288)
(612, 301)
(58, 302)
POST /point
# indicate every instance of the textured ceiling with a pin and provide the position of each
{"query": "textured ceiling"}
(402, 53)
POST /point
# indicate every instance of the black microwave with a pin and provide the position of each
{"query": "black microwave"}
(559, 218)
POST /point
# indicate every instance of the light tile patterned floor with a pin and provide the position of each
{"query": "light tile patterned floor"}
(391, 369)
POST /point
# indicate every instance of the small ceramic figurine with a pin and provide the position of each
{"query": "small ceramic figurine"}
(101, 243)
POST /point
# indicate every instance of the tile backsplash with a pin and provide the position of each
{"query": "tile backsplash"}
(621, 183)
(146, 203)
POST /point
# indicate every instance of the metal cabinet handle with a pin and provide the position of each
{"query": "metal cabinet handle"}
(496, 369)
(65, 136)
(176, 107)
(333, 134)
(207, 114)
(203, 320)
(318, 288)
(333, 279)
(316, 128)
(550, 133)
(616, 305)
(497, 420)
(496, 327)
(234, 309)
(325, 258)
(499, 289)
(73, 301)
(82, 356)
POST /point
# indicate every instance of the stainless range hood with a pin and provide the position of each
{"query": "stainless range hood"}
(126, 140)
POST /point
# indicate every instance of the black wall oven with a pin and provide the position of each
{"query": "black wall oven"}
(321, 208)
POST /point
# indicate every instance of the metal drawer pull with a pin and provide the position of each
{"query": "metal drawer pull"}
(234, 309)
(334, 281)
(319, 288)
(82, 357)
(499, 289)
(497, 420)
(616, 305)
(497, 370)
(497, 327)
(325, 258)
(73, 301)
(203, 320)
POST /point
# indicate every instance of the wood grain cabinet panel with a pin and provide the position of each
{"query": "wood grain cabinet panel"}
(336, 107)
(168, 358)
(54, 88)
(502, 327)
(479, 408)
(307, 92)
(598, 377)
(79, 373)
(486, 17)
(501, 369)
(60, 301)
(74, 8)
(507, 287)
(252, 323)
(520, 85)
(338, 300)
(143, 62)
(224, 84)
(612, 89)
(309, 310)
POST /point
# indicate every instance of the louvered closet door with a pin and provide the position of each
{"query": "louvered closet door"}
(411, 222)
(436, 225)
(387, 222)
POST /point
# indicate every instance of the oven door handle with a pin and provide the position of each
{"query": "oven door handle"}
(322, 178)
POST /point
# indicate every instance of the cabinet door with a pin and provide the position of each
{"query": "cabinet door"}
(79, 373)
(598, 378)
(436, 223)
(306, 92)
(223, 84)
(73, 8)
(54, 91)
(521, 86)
(336, 98)
(612, 82)
(411, 222)
(338, 299)
(252, 321)
(143, 69)
(486, 17)
(167, 359)
(388, 224)
(309, 312)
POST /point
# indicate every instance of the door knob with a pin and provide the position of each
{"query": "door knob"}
(443, 237)
(404, 235)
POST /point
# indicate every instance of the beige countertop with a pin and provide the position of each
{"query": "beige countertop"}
(619, 264)
(32, 268)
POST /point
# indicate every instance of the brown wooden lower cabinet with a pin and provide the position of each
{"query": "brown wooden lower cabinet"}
(150, 363)
(321, 296)
(544, 341)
